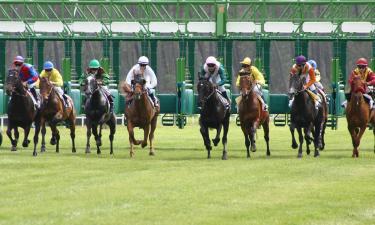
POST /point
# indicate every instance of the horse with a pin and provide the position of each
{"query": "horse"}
(140, 113)
(97, 110)
(251, 114)
(213, 114)
(21, 112)
(357, 113)
(53, 112)
(305, 116)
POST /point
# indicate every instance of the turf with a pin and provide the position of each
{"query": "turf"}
(180, 186)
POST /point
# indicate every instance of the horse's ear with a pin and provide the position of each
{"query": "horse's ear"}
(143, 81)
(133, 82)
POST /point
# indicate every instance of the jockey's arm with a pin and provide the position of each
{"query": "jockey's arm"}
(312, 78)
(370, 79)
(130, 76)
(153, 81)
(238, 80)
(258, 76)
(56, 78)
(222, 76)
(351, 77)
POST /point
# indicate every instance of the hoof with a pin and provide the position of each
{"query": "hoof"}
(299, 156)
(268, 154)
(87, 150)
(98, 152)
(152, 153)
(144, 144)
(216, 141)
(53, 141)
(308, 151)
(224, 157)
(294, 146)
(25, 144)
(43, 149)
(99, 142)
(131, 154)
(74, 150)
(253, 149)
(13, 148)
(35, 154)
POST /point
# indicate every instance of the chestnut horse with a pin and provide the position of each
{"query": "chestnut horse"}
(213, 114)
(53, 112)
(357, 113)
(251, 114)
(21, 111)
(141, 113)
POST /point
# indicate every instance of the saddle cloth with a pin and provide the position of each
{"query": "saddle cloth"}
(222, 99)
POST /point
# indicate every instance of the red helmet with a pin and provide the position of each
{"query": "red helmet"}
(362, 62)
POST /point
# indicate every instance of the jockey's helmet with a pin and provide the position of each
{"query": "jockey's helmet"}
(300, 60)
(48, 65)
(94, 64)
(143, 60)
(246, 61)
(362, 62)
(211, 60)
(313, 63)
(18, 60)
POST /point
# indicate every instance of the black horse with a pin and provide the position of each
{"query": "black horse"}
(97, 113)
(213, 114)
(304, 115)
(21, 112)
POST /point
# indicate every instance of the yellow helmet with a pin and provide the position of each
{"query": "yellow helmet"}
(246, 61)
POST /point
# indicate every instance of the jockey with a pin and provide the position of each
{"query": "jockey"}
(317, 84)
(302, 68)
(366, 75)
(215, 73)
(55, 78)
(28, 75)
(102, 78)
(258, 77)
(143, 69)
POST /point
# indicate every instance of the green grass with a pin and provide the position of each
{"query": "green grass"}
(180, 186)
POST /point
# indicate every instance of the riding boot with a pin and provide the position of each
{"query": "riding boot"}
(33, 92)
(65, 101)
(265, 106)
(224, 93)
(156, 104)
(110, 103)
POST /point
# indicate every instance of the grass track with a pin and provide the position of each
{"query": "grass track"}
(180, 186)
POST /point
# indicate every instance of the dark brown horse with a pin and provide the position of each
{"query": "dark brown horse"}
(21, 112)
(357, 113)
(213, 114)
(53, 112)
(305, 116)
(140, 113)
(251, 114)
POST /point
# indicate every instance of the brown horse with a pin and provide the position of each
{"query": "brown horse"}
(357, 113)
(140, 113)
(251, 114)
(53, 112)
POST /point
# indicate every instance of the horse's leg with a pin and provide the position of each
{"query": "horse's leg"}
(206, 139)
(13, 141)
(43, 129)
(72, 128)
(294, 143)
(217, 138)
(25, 142)
(131, 138)
(300, 136)
(36, 135)
(373, 132)
(321, 148)
(253, 129)
(88, 135)
(99, 139)
(226, 128)
(112, 127)
(96, 136)
(266, 131)
(306, 131)
(146, 131)
(151, 136)
(359, 136)
(55, 133)
(247, 140)
(353, 134)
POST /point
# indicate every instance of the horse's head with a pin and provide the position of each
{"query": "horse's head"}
(90, 85)
(295, 84)
(246, 84)
(205, 90)
(14, 84)
(139, 86)
(358, 85)
(46, 88)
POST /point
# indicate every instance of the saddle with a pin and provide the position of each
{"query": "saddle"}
(313, 96)
(223, 100)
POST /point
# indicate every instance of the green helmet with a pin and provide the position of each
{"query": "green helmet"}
(94, 64)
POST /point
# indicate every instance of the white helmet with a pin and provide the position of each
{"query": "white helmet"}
(211, 60)
(143, 60)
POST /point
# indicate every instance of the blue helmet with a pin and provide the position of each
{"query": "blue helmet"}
(48, 65)
(313, 63)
